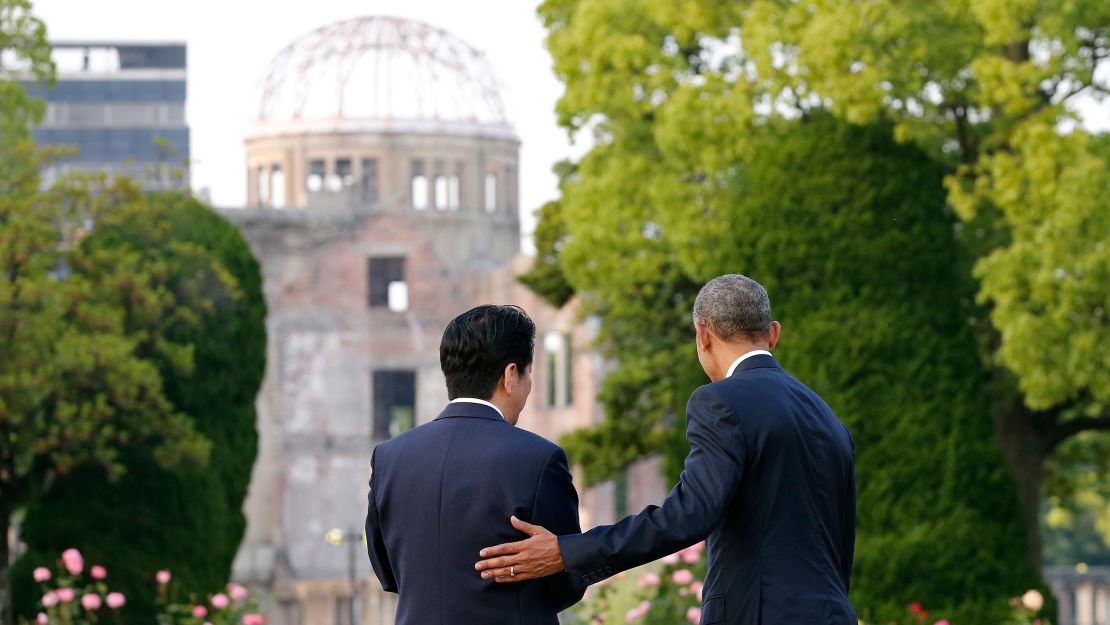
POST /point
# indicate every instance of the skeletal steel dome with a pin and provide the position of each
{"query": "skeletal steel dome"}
(381, 69)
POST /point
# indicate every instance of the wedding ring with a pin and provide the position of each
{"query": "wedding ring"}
(512, 571)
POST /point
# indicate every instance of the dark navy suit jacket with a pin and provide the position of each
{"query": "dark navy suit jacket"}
(441, 492)
(770, 482)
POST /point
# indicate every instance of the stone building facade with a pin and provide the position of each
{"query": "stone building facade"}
(375, 225)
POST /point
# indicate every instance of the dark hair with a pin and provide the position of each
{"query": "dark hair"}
(478, 345)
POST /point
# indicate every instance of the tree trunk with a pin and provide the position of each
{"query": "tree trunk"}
(5, 568)
(1022, 448)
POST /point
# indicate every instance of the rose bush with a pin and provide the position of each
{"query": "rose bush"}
(70, 596)
(669, 592)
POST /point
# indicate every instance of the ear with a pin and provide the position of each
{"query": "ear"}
(704, 337)
(510, 378)
(773, 334)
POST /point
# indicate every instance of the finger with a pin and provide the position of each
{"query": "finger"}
(494, 563)
(512, 579)
(525, 527)
(505, 549)
(504, 571)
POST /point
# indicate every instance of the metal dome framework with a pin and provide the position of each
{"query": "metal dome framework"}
(381, 68)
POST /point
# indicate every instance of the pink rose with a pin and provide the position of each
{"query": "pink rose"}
(254, 619)
(671, 559)
(220, 601)
(91, 601)
(65, 595)
(237, 592)
(41, 574)
(98, 572)
(697, 587)
(200, 611)
(116, 600)
(941, 622)
(42, 619)
(682, 576)
(692, 554)
(73, 561)
(50, 599)
(634, 614)
(649, 579)
(694, 615)
(163, 577)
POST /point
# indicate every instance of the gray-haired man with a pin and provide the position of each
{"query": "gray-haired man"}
(769, 481)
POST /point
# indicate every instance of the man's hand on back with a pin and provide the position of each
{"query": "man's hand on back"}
(537, 556)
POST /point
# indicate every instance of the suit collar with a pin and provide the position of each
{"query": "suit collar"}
(758, 361)
(471, 410)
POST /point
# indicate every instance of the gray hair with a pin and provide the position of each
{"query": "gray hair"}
(733, 305)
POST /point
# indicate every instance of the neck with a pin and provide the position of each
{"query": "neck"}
(732, 351)
(502, 403)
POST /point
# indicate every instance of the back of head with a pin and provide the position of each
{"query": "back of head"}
(478, 345)
(734, 307)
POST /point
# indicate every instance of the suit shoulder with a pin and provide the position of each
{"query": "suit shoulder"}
(535, 443)
(404, 439)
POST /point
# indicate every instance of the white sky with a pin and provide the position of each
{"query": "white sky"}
(231, 43)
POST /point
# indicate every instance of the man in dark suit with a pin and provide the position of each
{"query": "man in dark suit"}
(769, 481)
(441, 491)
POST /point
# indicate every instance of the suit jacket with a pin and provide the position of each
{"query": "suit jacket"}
(441, 492)
(770, 482)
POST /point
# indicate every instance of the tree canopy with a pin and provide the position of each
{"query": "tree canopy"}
(675, 96)
(188, 519)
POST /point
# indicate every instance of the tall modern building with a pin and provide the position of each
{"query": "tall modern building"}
(122, 107)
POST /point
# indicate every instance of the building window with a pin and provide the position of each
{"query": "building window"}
(260, 184)
(316, 172)
(453, 191)
(370, 181)
(291, 609)
(387, 285)
(341, 604)
(552, 348)
(558, 369)
(343, 177)
(491, 192)
(419, 186)
(277, 187)
(568, 371)
(394, 393)
(441, 192)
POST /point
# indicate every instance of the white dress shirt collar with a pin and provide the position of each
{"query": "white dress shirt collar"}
(736, 363)
(474, 400)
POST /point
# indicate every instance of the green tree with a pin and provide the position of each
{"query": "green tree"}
(673, 92)
(83, 333)
(991, 86)
(835, 220)
(184, 518)
(26, 54)
(74, 386)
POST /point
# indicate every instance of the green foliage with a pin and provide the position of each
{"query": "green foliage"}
(684, 101)
(546, 276)
(186, 518)
(23, 38)
(1077, 519)
(848, 232)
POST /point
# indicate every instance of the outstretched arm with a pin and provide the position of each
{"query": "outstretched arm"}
(694, 507)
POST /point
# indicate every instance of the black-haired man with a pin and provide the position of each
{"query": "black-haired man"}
(442, 491)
